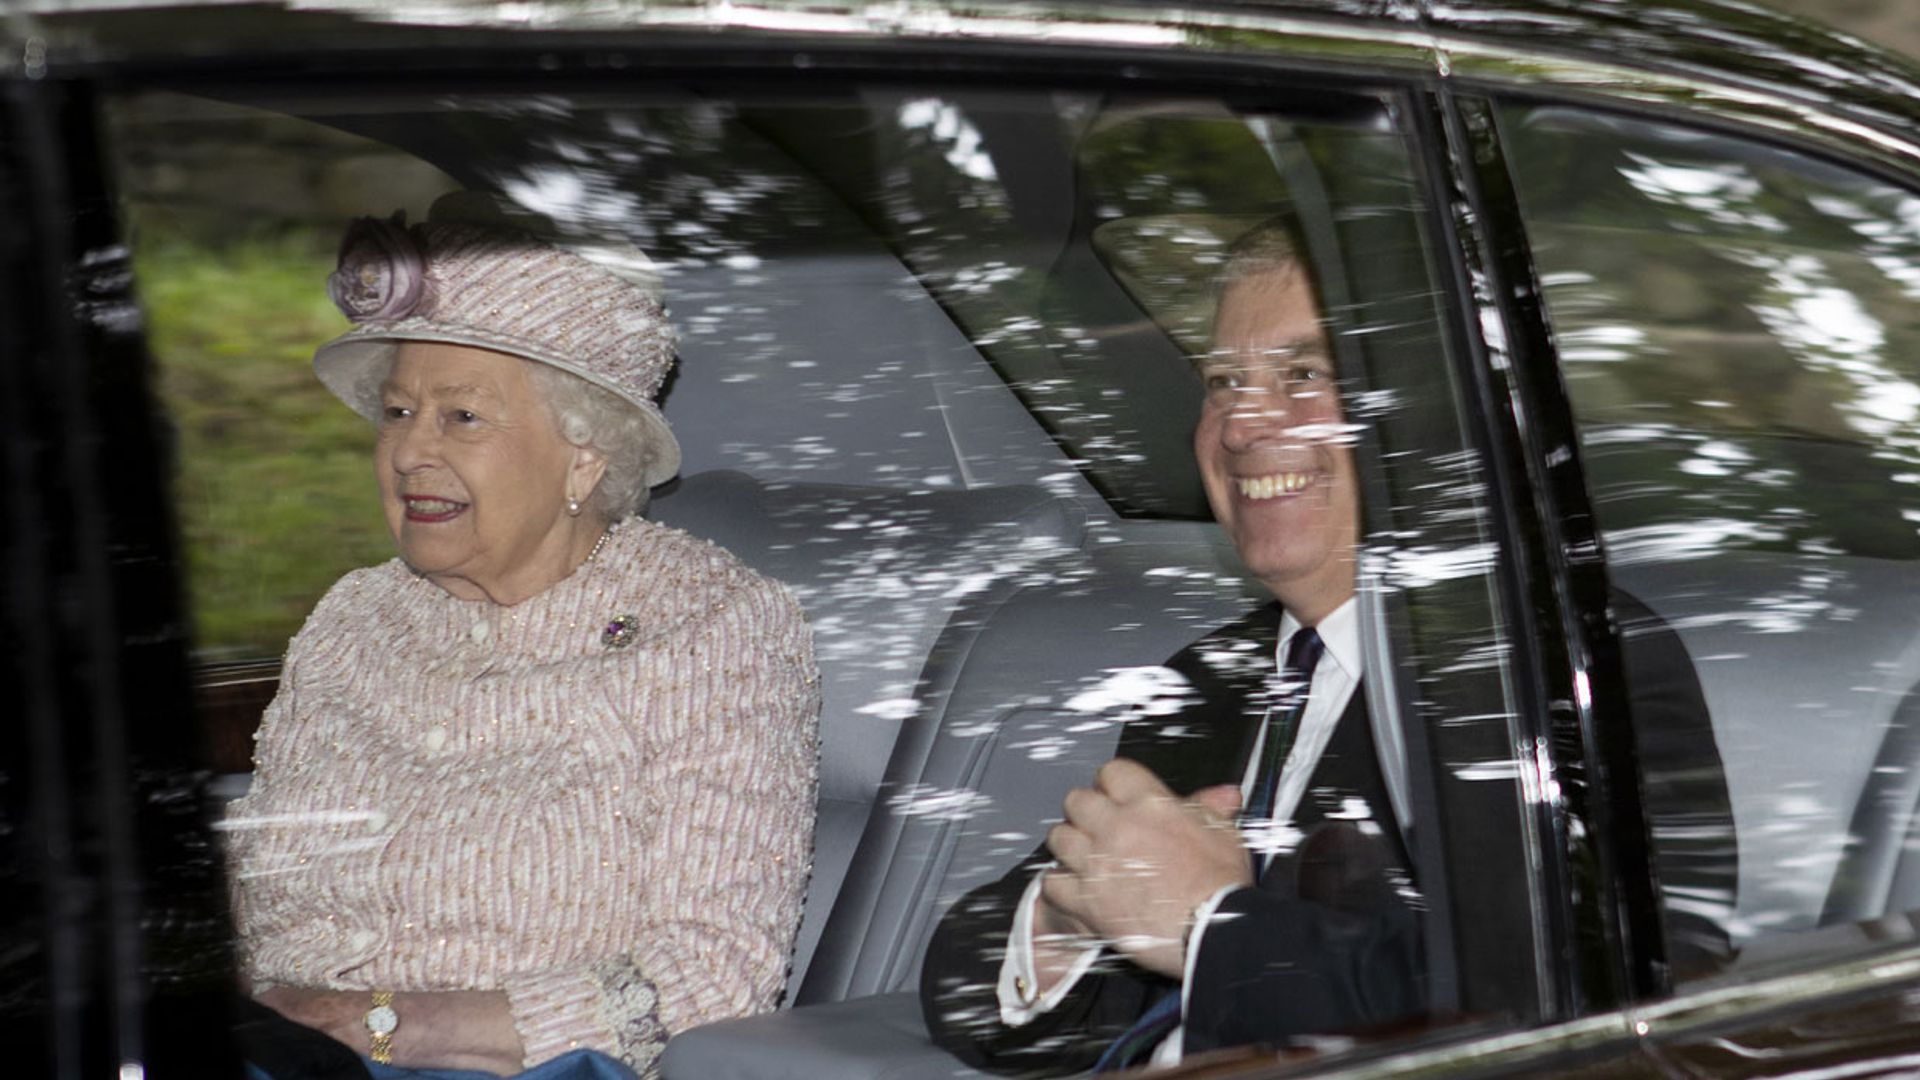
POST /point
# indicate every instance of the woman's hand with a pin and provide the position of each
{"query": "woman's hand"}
(454, 1029)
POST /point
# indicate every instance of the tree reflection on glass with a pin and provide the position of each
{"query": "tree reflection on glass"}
(1739, 337)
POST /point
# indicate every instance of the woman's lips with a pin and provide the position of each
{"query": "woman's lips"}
(426, 509)
(1273, 485)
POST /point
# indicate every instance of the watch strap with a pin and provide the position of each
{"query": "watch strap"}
(381, 1023)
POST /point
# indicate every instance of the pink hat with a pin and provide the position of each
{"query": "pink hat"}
(492, 286)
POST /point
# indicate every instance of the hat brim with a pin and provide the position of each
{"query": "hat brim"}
(353, 365)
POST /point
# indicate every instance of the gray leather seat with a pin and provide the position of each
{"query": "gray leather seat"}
(1807, 669)
(1880, 873)
(870, 1038)
(1011, 708)
(879, 572)
(1018, 704)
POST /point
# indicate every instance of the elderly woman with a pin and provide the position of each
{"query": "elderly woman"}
(545, 782)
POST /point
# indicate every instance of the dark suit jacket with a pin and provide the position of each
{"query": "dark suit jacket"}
(1295, 964)
(1348, 957)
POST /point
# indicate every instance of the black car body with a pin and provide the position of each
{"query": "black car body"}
(1628, 298)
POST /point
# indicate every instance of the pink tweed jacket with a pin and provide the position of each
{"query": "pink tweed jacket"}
(450, 794)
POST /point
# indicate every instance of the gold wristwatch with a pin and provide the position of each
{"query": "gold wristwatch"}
(381, 1023)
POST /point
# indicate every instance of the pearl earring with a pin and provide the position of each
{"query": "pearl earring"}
(573, 507)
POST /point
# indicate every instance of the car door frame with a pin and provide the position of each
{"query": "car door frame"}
(119, 920)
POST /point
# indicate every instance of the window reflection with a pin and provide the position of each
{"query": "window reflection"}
(1737, 333)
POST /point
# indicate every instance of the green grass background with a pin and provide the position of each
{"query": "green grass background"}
(275, 487)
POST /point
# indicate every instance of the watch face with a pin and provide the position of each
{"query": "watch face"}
(381, 1020)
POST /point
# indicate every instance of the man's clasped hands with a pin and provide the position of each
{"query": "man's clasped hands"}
(1135, 862)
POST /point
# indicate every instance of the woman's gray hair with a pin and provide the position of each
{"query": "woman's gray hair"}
(587, 415)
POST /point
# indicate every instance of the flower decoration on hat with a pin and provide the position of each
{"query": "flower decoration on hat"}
(382, 273)
(477, 275)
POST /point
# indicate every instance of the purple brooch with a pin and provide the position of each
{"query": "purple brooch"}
(382, 273)
(620, 631)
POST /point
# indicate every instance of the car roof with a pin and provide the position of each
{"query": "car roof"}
(1730, 36)
(1729, 43)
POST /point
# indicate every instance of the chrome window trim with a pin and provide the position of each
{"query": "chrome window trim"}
(1705, 1010)
(1526, 1051)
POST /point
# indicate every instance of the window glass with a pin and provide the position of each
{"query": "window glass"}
(235, 215)
(1738, 333)
(937, 373)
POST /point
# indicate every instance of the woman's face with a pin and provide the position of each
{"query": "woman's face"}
(475, 477)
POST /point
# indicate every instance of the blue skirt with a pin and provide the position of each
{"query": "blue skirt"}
(572, 1065)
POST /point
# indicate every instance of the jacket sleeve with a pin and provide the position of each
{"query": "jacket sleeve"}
(1272, 967)
(959, 993)
(611, 1006)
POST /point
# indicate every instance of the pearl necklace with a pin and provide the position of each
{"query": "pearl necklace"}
(597, 545)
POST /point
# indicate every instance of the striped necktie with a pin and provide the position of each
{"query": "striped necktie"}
(1304, 650)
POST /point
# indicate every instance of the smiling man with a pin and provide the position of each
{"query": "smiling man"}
(1242, 874)
(1244, 879)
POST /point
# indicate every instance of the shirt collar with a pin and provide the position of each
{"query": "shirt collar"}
(1340, 630)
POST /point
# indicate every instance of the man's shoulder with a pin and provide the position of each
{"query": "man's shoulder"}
(1225, 673)
(1260, 621)
(1228, 655)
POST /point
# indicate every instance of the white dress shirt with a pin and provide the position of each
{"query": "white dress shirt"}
(1335, 678)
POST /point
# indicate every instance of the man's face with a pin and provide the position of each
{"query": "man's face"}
(1272, 444)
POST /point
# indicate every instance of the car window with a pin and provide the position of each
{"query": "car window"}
(1737, 329)
(234, 214)
(937, 373)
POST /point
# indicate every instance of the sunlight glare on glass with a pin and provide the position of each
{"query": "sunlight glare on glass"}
(965, 149)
